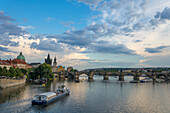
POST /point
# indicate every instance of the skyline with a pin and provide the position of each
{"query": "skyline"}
(87, 34)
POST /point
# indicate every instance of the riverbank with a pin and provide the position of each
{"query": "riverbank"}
(4, 83)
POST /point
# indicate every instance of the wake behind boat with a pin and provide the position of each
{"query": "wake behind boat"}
(48, 97)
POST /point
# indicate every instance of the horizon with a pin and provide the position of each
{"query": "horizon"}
(87, 34)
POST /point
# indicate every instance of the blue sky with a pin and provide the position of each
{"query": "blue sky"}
(87, 33)
(46, 16)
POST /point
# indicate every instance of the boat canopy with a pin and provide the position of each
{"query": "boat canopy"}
(48, 94)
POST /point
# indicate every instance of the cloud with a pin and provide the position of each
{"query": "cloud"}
(136, 41)
(4, 18)
(161, 17)
(47, 45)
(4, 49)
(107, 48)
(9, 30)
(155, 50)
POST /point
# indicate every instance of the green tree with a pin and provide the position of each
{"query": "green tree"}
(12, 72)
(43, 71)
(19, 73)
(24, 71)
(1, 71)
(4, 71)
(7, 73)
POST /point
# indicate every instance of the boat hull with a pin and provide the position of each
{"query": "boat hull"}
(37, 102)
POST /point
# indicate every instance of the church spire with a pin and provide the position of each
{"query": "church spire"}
(48, 57)
(55, 60)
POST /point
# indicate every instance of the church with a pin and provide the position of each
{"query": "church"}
(55, 68)
(19, 62)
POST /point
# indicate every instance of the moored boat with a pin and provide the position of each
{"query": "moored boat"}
(48, 97)
(134, 81)
(147, 79)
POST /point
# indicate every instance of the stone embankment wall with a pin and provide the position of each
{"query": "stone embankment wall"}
(11, 82)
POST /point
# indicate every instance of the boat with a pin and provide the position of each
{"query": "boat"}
(146, 79)
(48, 97)
(134, 81)
(77, 81)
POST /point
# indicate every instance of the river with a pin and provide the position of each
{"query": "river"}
(97, 96)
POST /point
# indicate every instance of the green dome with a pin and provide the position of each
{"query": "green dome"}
(21, 57)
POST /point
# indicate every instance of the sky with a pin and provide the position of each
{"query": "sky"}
(87, 34)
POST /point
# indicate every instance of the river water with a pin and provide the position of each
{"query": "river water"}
(97, 96)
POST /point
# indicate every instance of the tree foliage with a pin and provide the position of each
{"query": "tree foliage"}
(24, 71)
(42, 71)
(11, 72)
(1, 71)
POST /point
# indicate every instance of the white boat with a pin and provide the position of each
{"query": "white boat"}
(146, 79)
(160, 80)
(48, 97)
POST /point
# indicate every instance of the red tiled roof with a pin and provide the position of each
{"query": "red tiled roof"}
(18, 61)
(4, 62)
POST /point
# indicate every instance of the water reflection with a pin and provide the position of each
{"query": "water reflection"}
(91, 96)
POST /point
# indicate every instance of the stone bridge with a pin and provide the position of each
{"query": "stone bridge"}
(121, 75)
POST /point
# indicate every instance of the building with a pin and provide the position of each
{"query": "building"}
(35, 65)
(69, 69)
(61, 69)
(55, 67)
(18, 62)
(55, 62)
(48, 60)
(21, 57)
(4, 63)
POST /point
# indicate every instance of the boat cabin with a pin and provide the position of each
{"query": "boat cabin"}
(45, 96)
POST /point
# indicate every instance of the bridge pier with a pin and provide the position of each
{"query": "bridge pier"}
(136, 77)
(121, 77)
(106, 77)
(76, 76)
(90, 76)
(61, 75)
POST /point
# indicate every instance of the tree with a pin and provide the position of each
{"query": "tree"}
(12, 72)
(24, 71)
(4, 71)
(43, 71)
(1, 71)
(7, 73)
(19, 73)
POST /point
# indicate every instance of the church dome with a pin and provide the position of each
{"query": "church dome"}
(21, 57)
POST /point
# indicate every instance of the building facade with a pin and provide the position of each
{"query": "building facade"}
(18, 62)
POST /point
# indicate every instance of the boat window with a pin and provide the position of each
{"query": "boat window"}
(44, 98)
(36, 97)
